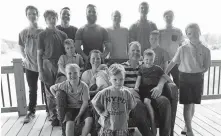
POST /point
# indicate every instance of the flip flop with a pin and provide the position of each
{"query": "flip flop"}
(183, 132)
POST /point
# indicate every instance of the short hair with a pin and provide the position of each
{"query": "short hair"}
(68, 66)
(115, 69)
(90, 6)
(193, 25)
(144, 3)
(30, 7)
(65, 8)
(155, 32)
(167, 12)
(149, 52)
(116, 11)
(68, 42)
(50, 12)
(134, 43)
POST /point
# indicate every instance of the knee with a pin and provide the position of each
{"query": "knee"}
(69, 124)
(88, 121)
(61, 98)
(147, 101)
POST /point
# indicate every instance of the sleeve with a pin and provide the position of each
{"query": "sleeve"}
(61, 60)
(207, 59)
(41, 45)
(131, 101)
(20, 39)
(177, 58)
(105, 36)
(98, 101)
(166, 56)
(132, 33)
(78, 35)
(160, 71)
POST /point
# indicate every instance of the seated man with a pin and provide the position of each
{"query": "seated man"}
(162, 104)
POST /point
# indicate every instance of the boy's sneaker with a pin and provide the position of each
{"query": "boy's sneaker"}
(29, 117)
(55, 122)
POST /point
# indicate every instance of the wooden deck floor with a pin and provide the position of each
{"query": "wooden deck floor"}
(206, 122)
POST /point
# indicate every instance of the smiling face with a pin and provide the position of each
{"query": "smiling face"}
(134, 52)
(116, 17)
(51, 20)
(148, 60)
(65, 16)
(69, 49)
(72, 73)
(95, 59)
(193, 34)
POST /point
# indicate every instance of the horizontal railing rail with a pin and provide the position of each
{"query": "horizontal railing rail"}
(13, 86)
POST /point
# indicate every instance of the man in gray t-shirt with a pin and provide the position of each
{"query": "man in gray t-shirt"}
(92, 36)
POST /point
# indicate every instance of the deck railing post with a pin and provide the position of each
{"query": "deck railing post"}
(20, 87)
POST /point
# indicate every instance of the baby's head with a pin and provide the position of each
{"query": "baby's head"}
(102, 67)
(117, 75)
(72, 72)
(154, 38)
(149, 57)
(69, 47)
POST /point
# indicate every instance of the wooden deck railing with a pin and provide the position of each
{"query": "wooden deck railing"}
(13, 87)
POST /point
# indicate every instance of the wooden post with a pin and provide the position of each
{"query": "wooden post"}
(20, 87)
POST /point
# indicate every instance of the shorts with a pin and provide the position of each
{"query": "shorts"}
(191, 87)
(144, 91)
(108, 132)
(72, 113)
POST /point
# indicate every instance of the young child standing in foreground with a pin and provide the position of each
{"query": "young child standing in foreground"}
(193, 60)
(113, 104)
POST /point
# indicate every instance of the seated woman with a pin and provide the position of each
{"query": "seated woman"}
(77, 93)
(92, 69)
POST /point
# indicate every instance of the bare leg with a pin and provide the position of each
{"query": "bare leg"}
(147, 102)
(193, 111)
(188, 114)
(70, 128)
(87, 126)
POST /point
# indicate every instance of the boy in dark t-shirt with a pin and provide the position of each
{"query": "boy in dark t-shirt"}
(50, 48)
(65, 26)
(148, 77)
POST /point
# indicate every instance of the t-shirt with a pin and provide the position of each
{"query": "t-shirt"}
(92, 37)
(87, 77)
(161, 56)
(74, 99)
(28, 38)
(170, 40)
(117, 104)
(150, 76)
(65, 59)
(192, 59)
(51, 42)
(70, 31)
(140, 31)
(119, 39)
(130, 74)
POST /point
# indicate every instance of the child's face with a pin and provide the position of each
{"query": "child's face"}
(69, 49)
(51, 20)
(117, 80)
(193, 34)
(72, 74)
(154, 40)
(148, 60)
(32, 15)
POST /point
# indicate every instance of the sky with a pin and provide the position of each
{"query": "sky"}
(204, 12)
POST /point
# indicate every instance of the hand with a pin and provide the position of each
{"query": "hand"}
(77, 120)
(41, 75)
(156, 92)
(105, 114)
(136, 89)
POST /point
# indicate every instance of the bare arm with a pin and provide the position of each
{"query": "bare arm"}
(53, 90)
(40, 60)
(165, 66)
(22, 49)
(85, 98)
(169, 67)
(107, 49)
(136, 88)
(78, 44)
